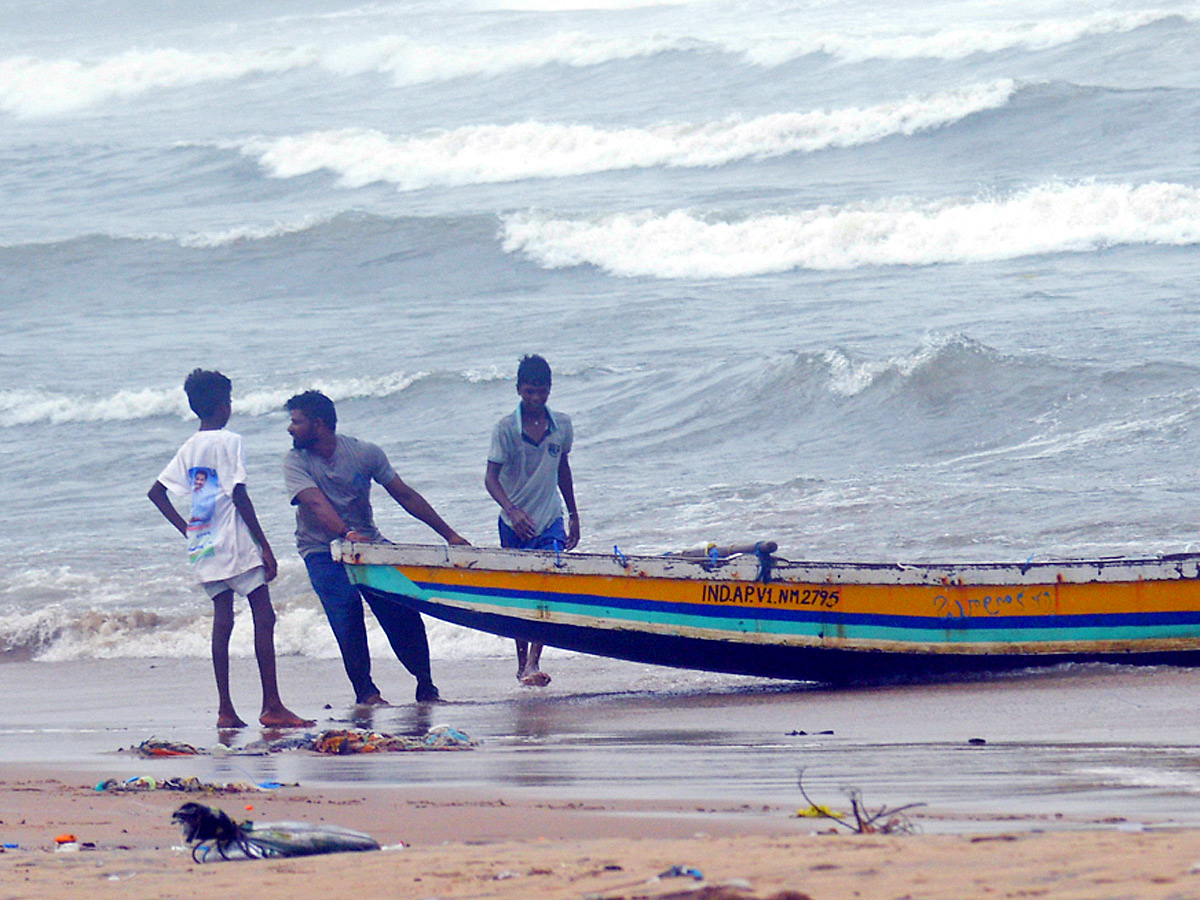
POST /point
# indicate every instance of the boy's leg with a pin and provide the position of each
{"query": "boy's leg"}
(522, 656)
(274, 713)
(529, 658)
(343, 609)
(512, 541)
(405, 630)
(227, 716)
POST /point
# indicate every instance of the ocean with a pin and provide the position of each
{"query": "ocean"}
(879, 282)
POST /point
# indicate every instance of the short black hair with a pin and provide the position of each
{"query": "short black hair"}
(206, 391)
(315, 405)
(533, 369)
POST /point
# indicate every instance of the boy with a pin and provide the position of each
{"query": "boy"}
(527, 469)
(226, 546)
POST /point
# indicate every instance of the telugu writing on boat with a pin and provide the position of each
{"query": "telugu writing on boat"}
(992, 604)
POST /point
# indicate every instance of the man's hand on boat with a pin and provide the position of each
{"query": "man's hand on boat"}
(355, 537)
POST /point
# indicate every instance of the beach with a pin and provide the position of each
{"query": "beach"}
(493, 844)
(1071, 782)
(877, 282)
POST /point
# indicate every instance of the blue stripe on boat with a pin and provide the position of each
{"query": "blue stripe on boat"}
(1096, 626)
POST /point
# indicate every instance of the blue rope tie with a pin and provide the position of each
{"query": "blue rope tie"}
(764, 563)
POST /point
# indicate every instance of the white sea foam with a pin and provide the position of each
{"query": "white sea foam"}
(1165, 776)
(238, 234)
(62, 613)
(952, 43)
(497, 153)
(1084, 441)
(58, 633)
(25, 407)
(1050, 218)
(32, 86)
(45, 87)
(848, 378)
(409, 62)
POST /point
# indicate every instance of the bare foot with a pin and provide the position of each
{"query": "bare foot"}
(284, 718)
(535, 679)
(229, 720)
(373, 700)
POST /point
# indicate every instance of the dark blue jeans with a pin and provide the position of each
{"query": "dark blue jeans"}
(553, 538)
(343, 604)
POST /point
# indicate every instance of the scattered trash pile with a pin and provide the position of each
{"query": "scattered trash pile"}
(331, 742)
(188, 785)
(353, 741)
(734, 889)
(154, 747)
(214, 837)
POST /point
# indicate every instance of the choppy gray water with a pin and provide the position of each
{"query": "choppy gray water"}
(876, 282)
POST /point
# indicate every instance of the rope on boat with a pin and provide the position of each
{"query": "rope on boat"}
(765, 561)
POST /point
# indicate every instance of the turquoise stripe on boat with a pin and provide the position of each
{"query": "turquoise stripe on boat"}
(940, 631)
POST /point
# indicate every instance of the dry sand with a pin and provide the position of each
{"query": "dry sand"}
(488, 844)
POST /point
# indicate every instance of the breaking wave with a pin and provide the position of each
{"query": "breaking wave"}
(32, 86)
(499, 153)
(950, 43)
(26, 407)
(1050, 218)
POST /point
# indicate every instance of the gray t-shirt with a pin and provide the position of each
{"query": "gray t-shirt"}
(345, 480)
(529, 471)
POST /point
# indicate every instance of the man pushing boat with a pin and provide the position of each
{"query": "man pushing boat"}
(328, 477)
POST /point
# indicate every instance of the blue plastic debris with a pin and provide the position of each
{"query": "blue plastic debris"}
(681, 872)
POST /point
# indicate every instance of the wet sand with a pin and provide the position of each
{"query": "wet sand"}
(1075, 783)
(1079, 746)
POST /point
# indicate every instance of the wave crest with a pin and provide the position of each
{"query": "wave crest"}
(32, 86)
(1050, 218)
(37, 87)
(27, 407)
(947, 43)
(484, 154)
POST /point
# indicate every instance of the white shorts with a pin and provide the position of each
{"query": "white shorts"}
(240, 584)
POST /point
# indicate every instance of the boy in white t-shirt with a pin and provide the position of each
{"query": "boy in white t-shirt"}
(226, 546)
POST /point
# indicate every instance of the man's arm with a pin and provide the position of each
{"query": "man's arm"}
(566, 487)
(316, 503)
(241, 502)
(158, 496)
(521, 523)
(419, 508)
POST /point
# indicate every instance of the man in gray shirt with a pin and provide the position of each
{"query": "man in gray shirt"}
(328, 477)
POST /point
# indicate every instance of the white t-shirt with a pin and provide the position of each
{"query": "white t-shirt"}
(206, 469)
(529, 471)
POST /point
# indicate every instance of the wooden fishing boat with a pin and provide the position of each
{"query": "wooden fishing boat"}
(749, 611)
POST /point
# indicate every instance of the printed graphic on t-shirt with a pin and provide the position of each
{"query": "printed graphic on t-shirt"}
(201, 528)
